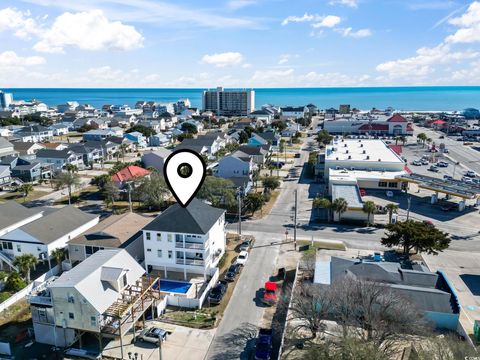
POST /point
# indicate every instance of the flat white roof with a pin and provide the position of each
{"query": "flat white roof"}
(360, 150)
(354, 175)
(348, 192)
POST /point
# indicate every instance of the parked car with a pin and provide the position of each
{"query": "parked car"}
(448, 207)
(424, 162)
(217, 293)
(467, 180)
(232, 271)
(152, 335)
(441, 137)
(246, 245)
(270, 293)
(470, 173)
(242, 258)
(297, 155)
(417, 163)
(446, 151)
(433, 168)
(442, 164)
(263, 349)
(447, 177)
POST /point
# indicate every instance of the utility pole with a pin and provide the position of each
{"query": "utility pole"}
(295, 223)
(239, 194)
(409, 201)
(130, 196)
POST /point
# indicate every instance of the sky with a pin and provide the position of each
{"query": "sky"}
(238, 43)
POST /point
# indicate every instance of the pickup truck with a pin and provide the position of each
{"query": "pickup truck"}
(263, 350)
(270, 293)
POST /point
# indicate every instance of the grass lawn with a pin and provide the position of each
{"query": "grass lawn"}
(81, 195)
(201, 319)
(18, 196)
(327, 245)
(18, 312)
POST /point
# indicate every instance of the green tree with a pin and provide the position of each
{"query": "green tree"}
(417, 235)
(123, 149)
(219, 192)
(397, 139)
(25, 189)
(24, 263)
(422, 137)
(279, 125)
(110, 192)
(339, 206)
(152, 191)
(322, 203)
(243, 137)
(68, 180)
(254, 202)
(369, 207)
(324, 137)
(145, 131)
(14, 282)
(392, 209)
(189, 128)
(270, 183)
(59, 254)
(71, 168)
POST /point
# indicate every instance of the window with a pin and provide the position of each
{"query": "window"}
(392, 185)
(382, 184)
(93, 321)
(88, 250)
(147, 235)
(159, 237)
(71, 299)
(169, 237)
(124, 280)
(71, 315)
(178, 237)
(170, 254)
(7, 245)
(159, 253)
(19, 248)
(39, 248)
(149, 250)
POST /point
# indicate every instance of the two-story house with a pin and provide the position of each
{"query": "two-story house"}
(60, 158)
(34, 133)
(185, 239)
(105, 295)
(237, 168)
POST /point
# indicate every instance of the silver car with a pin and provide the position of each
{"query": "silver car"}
(152, 335)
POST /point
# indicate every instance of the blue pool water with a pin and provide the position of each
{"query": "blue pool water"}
(174, 286)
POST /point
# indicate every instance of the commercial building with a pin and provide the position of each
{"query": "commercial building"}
(229, 102)
(367, 124)
(5, 100)
(351, 164)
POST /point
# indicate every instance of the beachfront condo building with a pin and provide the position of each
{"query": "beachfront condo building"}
(229, 102)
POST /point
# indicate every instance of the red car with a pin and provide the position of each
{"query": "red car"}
(270, 294)
(363, 192)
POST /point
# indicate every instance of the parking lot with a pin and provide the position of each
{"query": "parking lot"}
(181, 343)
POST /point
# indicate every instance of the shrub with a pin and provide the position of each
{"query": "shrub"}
(14, 282)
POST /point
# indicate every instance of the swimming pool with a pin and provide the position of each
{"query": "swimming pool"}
(172, 286)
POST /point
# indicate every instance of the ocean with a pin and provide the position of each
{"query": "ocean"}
(442, 98)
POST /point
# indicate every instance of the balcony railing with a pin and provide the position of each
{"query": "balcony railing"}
(39, 300)
(193, 262)
(191, 245)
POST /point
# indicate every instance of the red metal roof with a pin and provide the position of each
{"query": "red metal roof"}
(397, 118)
(407, 169)
(438, 122)
(374, 127)
(396, 148)
(128, 173)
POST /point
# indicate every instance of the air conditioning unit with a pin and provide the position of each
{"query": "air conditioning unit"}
(364, 151)
(368, 157)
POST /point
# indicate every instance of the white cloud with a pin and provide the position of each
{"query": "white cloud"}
(9, 59)
(223, 59)
(349, 3)
(348, 32)
(469, 75)
(469, 24)
(88, 31)
(285, 58)
(238, 4)
(19, 22)
(422, 64)
(104, 73)
(318, 20)
(328, 21)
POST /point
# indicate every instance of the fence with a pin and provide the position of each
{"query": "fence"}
(24, 292)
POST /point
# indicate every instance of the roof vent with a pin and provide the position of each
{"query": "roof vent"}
(361, 145)
(364, 151)
(359, 140)
(379, 159)
(345, 145)
(349, 156)
(368, 157)
(337, 158)
(346, 152)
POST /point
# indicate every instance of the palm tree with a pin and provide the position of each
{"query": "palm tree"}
(369, 207)
(25, 262)
(123, 150)
(339, 206)
(403, 139)
(397, 139)
(422, 137)
(322, 203)
(25, 189)
(67, 180)
(58, 254)
(392, 209)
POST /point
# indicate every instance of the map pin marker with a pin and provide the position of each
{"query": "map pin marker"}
(184, 172)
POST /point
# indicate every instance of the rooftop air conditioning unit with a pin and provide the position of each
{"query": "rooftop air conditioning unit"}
(337, 158)
(364, 151)
(349, 156)
(368, 157)
(379, 159)
(361, 145)
(346, 152)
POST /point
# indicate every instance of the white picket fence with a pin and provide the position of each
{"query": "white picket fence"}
(25, 291)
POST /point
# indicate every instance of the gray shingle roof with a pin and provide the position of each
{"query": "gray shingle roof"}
(197, 218)
(56, 154)
(12, 212)
(53, 226)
